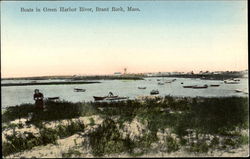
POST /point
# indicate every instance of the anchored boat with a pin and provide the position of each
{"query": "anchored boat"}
(53, 98)
(154, 92)
(79, 90)
(142, 87)
(98, 98)
(170, 81)
(160, 83)
(231, 82)
(116, 98)
(238, 90)
(200, 87)
(214, 85)
(187, 86)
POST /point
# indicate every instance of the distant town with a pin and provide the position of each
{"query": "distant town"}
(207, 75)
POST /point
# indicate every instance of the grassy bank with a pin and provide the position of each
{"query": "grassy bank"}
(169, 124)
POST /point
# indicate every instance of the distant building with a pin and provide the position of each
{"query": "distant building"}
(150, 74)
(175, 73)
(125, 71)
(117, 73)
(191, 72)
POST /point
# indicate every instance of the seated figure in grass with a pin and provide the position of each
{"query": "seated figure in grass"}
(111, 94)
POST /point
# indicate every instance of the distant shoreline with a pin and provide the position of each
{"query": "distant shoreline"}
(75, 78)
(205, 76)
(46, 83)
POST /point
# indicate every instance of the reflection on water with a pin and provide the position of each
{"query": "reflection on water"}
(16, 95)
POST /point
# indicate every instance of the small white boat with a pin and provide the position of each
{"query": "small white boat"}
(238, 90)
(116, 98)
(231, 82)
(236, 79)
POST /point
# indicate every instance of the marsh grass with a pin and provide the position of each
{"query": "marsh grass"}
(54, 111)
(26, 141)
(107, 139)
(224, 117)
(17, 112)
(172, 144)
(92, 122)
(72, 152)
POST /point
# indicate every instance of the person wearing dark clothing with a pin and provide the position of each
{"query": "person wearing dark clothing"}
(111, 94)
(38, 97)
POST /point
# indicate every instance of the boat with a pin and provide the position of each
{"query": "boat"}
(154, 92)
(53, 98)
(236, 79)
(231, 82)
(116, 98)
(158, 79)
(160, 83)
(200, 87)
(169, 81)
(103, 97)
(214, 85)
(79, 90)
(238, 90)
(142, 87)
(99, 98)
(109, 98)
(187, 86)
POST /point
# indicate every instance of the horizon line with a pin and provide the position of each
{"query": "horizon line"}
(121, 73)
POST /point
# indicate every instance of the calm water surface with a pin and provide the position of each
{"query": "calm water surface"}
(16, 95)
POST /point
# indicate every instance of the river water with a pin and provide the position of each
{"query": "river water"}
(16, 95)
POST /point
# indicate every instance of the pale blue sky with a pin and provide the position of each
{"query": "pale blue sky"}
(163, 36)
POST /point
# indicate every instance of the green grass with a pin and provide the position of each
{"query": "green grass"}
(55, 111)
(215, 116)
(171, 144)
(107, 140)
(71, 153)
(92, 122)
(17, 143)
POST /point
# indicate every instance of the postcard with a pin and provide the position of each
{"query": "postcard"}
(139, 78)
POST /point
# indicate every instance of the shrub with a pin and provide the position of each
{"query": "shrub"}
(18, 143)
(106, 139)
(171, 144)
(200, 147)
(71, 152)
(48, 135)
(92, 121)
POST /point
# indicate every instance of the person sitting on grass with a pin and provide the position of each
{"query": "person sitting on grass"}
(38, 97)
(111, 94)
